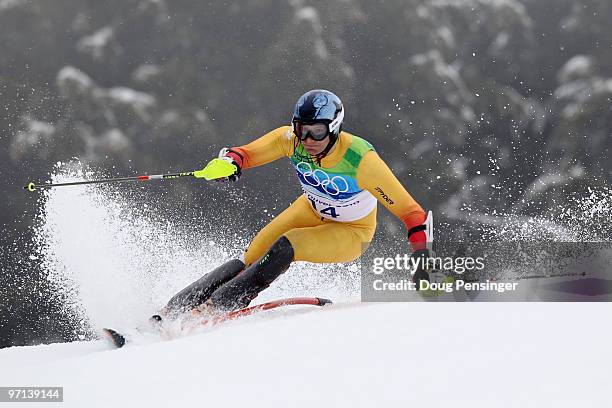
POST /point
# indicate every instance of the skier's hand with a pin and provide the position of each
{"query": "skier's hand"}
(235, 158)
(421, 273)
(425, 273)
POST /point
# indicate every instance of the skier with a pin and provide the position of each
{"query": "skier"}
(342, 178)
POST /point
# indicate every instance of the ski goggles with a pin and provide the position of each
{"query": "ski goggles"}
(316, 131)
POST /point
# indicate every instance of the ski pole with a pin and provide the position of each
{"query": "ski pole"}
(215, 169)
(549, 275)
(34, 187)
(525, 277)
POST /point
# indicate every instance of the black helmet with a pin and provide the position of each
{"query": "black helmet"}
(319, 106)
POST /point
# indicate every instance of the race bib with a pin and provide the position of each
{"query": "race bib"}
(334, 196)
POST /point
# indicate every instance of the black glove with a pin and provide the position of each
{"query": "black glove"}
(421, 273)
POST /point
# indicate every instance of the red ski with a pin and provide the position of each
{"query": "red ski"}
(247, 311)
(119, 340)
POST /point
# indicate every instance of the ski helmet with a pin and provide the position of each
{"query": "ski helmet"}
(319, 106)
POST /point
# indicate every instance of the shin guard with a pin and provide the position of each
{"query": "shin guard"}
(199, 291)
(241, 290)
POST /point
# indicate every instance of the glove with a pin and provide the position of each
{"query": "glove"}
(227, 166)
(235, 158)
(421, 273)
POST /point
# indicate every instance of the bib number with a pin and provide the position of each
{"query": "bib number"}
(330, 211)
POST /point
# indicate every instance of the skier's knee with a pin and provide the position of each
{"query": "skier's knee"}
(224, 272)
(241, 290)
(274, 262)
(199, 291)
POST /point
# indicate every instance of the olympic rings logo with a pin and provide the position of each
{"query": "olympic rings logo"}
(318, 178)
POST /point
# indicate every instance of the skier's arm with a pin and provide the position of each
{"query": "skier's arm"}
(271, 146)
(375, 176)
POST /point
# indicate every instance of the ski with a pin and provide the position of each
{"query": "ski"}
(119, 340)
(247, 311)
(116, 338)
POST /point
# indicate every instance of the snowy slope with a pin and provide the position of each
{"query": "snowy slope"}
(102, 255)
(347, 355)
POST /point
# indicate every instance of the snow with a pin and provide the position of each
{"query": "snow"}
(545, 182)
(105, 254)
(146, 72)
(129, 96)
(579, 66)
(72, 81)
(311, 16)
(580, 94)
(139, 102)
(499, 7)
(346, 355)
(114, 263)
(72, 78)
(114, 140)
(458, 93)
(94, 44)
(8, 4)
(35, 135)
